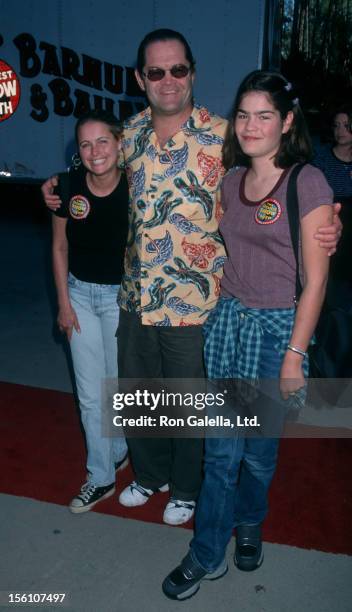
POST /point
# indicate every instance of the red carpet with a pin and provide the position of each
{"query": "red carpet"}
(42, 456)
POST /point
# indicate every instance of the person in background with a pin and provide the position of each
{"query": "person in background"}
(89, 239)
(255, 332)
(336, 163)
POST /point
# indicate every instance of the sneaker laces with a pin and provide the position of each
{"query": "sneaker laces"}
(87, 491)
(179, 503)
(135, 486)
(85, 486)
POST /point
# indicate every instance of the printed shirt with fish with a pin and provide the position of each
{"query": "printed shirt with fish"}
(174, 255)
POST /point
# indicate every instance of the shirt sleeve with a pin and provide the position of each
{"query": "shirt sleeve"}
(313, 190)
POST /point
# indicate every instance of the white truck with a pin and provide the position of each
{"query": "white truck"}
(60, 58)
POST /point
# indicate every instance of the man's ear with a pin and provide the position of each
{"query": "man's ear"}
(139, 80)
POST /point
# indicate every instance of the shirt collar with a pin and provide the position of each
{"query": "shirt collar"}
(199, 118)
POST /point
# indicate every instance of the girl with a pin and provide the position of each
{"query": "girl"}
(255, 331)
(89, 238)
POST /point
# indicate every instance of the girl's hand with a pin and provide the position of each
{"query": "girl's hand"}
(291, 375)
(67, 320)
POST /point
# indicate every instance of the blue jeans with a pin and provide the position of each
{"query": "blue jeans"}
(94, 356)
(237, 476)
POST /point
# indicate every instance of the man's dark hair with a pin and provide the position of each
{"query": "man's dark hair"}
(295, 144)
(103, 116)
(162, 34)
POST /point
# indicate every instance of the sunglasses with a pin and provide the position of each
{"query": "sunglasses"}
(179, 71)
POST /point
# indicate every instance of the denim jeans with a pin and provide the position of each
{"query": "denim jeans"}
(237, 475)
(94, 355)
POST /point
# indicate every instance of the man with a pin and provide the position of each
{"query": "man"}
(174, 255)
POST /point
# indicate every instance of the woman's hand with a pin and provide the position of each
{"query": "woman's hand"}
(67, 320)
(291, 374)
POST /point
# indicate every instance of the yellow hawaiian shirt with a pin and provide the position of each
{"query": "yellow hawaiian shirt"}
(174, 255)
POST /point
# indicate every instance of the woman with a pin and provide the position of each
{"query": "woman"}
(255, 331)
(89, 238)
(336, 163)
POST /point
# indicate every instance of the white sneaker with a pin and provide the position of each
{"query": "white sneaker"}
(136, 495)
(178, 511)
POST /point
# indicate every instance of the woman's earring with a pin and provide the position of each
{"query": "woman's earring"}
(76, 161)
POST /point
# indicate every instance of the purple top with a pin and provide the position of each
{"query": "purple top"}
(261, 268)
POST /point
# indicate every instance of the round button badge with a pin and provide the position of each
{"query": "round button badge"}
(268, 212)
(79, 207)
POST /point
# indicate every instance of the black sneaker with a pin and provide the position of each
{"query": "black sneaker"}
(248, 552)
(184, 581)
(89, 496)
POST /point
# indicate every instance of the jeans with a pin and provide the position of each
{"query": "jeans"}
(237, 476)
(94, 356)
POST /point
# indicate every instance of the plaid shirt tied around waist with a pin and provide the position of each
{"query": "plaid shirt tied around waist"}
(233, 335)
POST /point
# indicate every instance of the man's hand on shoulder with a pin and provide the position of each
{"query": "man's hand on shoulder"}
(329, 235)
(51, 199)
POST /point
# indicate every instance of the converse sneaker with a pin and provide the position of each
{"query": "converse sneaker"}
(178, 512)
(122, 464)
(89, 496)
(185, 580)
(136, 495)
